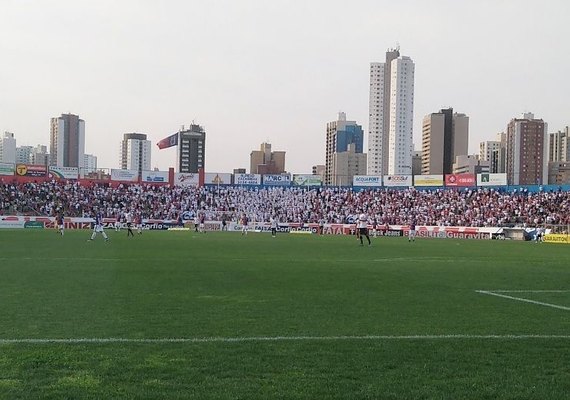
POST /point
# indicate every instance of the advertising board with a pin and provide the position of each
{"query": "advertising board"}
(64, 172)
(277, 180)
(247, 179)
(307, 180)
(214, 178)
(7, 169)
(491, 179)
(31, 170)
(366, 180)
(460, 180)
(155, 176)
(397, 180)
(428, 180)
(186, 179)
(125, 175)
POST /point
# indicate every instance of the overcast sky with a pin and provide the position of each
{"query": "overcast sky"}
(251, 71)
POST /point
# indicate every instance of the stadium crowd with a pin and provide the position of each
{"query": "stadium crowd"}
(443, 207)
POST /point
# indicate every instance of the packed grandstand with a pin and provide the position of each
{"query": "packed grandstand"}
(474, 207)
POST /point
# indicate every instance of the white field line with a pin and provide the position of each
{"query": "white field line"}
(278, 339)
(491, 293)
(529, 291)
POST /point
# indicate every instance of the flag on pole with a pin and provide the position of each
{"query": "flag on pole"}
(170, 141)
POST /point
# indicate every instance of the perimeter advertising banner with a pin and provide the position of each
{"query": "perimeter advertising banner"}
(64, 172)
(491, 179)
(398, 180)
(31, 170)
(7, 169)
(277, 180)
(428, 180)
(186, 179)
(247, 179)
(126, 175)
(307, 180)
(366, 180)
(215, 178)
(155, 176)
(460, 180)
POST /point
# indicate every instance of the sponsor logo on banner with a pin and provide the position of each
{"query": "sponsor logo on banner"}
(64, 172)
(460, 180)
(214, 178)
(491, 179)
(155, 176)
(31, 170)
(127, 175)
(397, 180)
(277, 180)
(366, 180)
(428, 180)
(7, 169)
(307, 180)
(186, 179)
(557, 238)
(247, 179)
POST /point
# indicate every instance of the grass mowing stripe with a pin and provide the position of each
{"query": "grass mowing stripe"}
(279, 339)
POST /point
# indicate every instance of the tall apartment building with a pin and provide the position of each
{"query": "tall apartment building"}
(89, 163)
(346, 164)
(67, 141)
(8, 148)
(527, 151)
(24, 154)
(135, 152)
(493, 151)
(559, 149)
(40, 156)
(265, 161)
(340, 135)
(470, 164)
(191, 154)
(445, 135)
(391, 108)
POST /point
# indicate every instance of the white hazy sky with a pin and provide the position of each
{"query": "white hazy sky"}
(256, 70)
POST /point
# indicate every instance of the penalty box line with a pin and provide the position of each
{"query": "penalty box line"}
(276, 339)
(500, 293)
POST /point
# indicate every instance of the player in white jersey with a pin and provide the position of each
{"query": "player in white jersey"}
(273, 224)
(129, 219)
(244, 224)
(98, 227)
(363, 228)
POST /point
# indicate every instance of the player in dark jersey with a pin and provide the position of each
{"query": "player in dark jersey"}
(59, 222)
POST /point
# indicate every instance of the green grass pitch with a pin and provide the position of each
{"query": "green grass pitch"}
(295, 317)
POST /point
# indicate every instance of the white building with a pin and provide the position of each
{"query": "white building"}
(24, 154)
(391, 108)
(470, 164)
(89, 163)
(135, 152)
(67, 142)
(40, 156)
(8, 148)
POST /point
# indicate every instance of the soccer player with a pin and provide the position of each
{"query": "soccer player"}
(59, 221)
(129, 219)
(203, 223)
(118, 221)
(363, 228)
(273, 224)
(244, 223)
(138, 221)
(196, 222)
(98, 227)
(412, 231)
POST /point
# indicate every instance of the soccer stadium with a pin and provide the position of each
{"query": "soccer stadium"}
(476, 306)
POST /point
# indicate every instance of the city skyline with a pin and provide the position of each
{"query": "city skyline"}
(282, 83)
